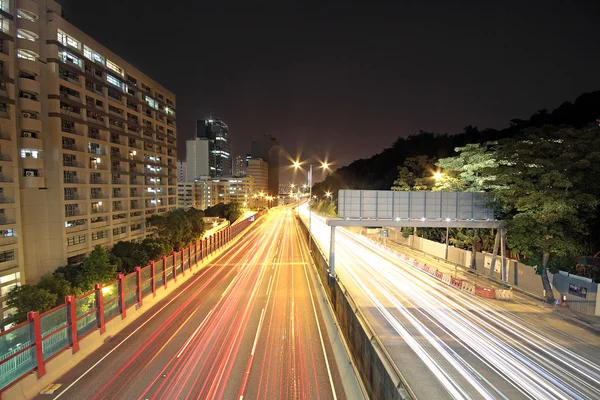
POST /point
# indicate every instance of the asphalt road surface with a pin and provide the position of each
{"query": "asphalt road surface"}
(244, 327)
(453, 345)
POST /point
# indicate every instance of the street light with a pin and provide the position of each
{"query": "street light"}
(324, 166)
(437, 176)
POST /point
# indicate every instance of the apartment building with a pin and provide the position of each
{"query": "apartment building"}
(207, 192)
(87, 144)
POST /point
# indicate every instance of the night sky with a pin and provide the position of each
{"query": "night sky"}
(346, 79)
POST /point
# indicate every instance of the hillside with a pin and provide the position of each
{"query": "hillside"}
(380, 170)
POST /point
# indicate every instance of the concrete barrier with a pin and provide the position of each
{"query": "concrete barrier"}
(502, 294)
(457, 283)
(468, 287)
(447, 279)
(484, 292)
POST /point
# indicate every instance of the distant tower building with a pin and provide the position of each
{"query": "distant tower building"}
(248, 157)
(181, 171)
(240, 166)
(259, 170)
(268, 149)
(216, 133)
(197, 157)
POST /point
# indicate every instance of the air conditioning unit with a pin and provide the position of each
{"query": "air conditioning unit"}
(29, 173)
(27, 154)
(26, 115)
(26, 134)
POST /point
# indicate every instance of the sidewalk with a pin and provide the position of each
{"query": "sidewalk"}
(589, 322)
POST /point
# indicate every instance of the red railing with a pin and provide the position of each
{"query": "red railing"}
(28, 346)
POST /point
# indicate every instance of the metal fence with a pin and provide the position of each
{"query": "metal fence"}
(27, 347)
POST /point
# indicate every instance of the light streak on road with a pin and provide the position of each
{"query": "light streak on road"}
(472, 347)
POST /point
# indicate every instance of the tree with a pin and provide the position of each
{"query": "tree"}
(155, 248)
(543, 185)
(96, 268)
(57, 284)
(174, 227)
(416, 174)
(131, 255)
(466, 171)
(196, 218)
(27, 298)
(233, 212)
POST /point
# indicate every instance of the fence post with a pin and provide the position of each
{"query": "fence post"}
(100, 306)
(182, 252)
(72, 320)
(36, 333)
(121, 286)
(153, 279)
(173, 254)
(138, 271)
(165, 271)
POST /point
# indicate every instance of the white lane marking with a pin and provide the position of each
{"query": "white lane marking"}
(260, 321)
(228, 287)
(268, 285)
(318, 326)
(194, 334)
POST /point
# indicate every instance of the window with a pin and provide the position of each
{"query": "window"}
(7, 255)
(67, 40)
(151, 102)
(92, 55)
(29, 134)
(7, 232)
(74, 223)
(27, 35)
(67, 57)
(30, 153)
(114, 81)
(4, 25)
(119, 230)
(99, 235)
(27, 54)
(28, 15)
(136, 227)
(10, 277)
(115, 67)
(75, 240)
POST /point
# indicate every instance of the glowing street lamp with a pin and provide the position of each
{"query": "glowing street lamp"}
(437, 176)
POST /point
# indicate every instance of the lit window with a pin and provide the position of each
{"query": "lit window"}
(27, 35)
(67, 40)
(67, 57)
(115, 67)
(30, 153)
(4, 25)
(26, 54)
(10, 277)
(4, 5)
(92, 55)
(114, 81)
(151, 102)
(28, 15)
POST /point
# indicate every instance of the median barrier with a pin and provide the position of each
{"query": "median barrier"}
(504, 294)
(426, 269)
(468, 287)
(438, 274)
(446, 279)
(484, 292)
(457, 283)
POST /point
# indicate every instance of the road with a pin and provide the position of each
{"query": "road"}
(245, 326)
(452, 345)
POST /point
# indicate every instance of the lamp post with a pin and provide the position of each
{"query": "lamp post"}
(324, 166)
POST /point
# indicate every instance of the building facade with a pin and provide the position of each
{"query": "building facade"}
(87, 149)
(181, 171)
(217, 133)
(197, 159)
(207, 192)
(268, 149)
(258, 169)
(240, 166)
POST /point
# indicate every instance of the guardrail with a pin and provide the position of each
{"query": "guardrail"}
(27, 347)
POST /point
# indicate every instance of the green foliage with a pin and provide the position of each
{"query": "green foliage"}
(416, 174)
(465, 172)
(27, 298)
(96, 268)
(57, 284)
(233, 212)
(156, 248)
(325, 207)
(230, 211)
(179, 227)
(131, 255)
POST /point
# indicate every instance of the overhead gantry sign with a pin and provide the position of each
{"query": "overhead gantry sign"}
(387, 208)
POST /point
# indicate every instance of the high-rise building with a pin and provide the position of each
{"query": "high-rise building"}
(240, 166)
(268, 149)
(258, 169)
(217, 133)
(198, 159)
(181, 171)
(248, 157)
(88, 147)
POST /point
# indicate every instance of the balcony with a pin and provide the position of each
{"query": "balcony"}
(71, 112)
(6, 200)
(96, 195)
(118, 181)
(74, 212)
(97, 181)
(73, 180)
(31, 143)
(73, 197)
(70, 129)
(29, 85)
(33, 181)
(30, 124)
(71, 147)
(30, 45)
(73, 164)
